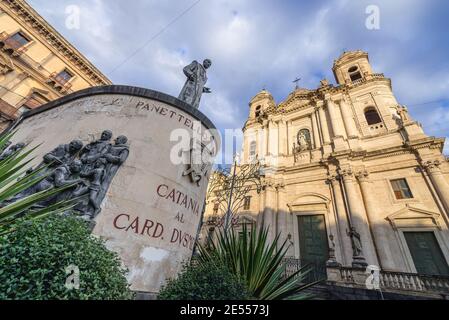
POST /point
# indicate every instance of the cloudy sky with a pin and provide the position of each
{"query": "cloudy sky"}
(263, 43)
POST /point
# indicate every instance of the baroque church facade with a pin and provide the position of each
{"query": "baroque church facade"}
(350, 178)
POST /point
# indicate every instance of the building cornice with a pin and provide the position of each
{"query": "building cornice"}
(24, 12)
(301, 100)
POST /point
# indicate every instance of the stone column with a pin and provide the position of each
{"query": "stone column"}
(324, 128)
(337, 126)
(260, 217)
(359, 223)
(342, 219)
(273, 134)
(282, 137)
(316, 133)
(269, 210)
(376, 223)
(439, 182)
(281, 215)
(348, 119)
(290, 231)
(262, 143)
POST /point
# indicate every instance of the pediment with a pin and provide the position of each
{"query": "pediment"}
(412, 217)
(310, 200)
(246, 219)
(40, 91)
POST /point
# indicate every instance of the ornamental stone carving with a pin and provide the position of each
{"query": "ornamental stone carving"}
(346, 173)
(362, 175)
(432, 166)
(90, 169)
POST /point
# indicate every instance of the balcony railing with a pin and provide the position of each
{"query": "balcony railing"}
(414, 282)
(368, 77)
(60, 83)
(317, 270)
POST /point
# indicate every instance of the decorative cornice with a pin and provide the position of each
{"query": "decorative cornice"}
(349, 56)
(28, 15)
(427, 142)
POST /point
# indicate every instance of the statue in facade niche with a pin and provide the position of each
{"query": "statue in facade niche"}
(303, 140)
(195, 85)
(356, 242)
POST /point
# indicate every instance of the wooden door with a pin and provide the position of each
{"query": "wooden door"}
(426, 253)
(313, 245)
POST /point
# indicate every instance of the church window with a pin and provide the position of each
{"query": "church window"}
(372, 117)
(258, 112)
(34, 100)
(401, 189)
(247, 203)
(252, 149)
(64, 76)
(354, 73)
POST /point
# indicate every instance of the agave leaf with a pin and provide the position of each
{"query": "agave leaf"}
(14, 180)
(259, 263)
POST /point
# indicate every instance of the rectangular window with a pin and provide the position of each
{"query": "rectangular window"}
(64, 76)
(252, 149)
(247, 203)
(355, 76)
(17, 40)
(33, 102)
(401, 189)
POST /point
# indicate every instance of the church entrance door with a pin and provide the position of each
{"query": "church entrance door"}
(313, 245)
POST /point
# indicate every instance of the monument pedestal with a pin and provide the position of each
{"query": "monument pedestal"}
(152, 207)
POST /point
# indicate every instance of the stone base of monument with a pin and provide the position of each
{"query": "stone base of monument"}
(143, 193)
(139, 295)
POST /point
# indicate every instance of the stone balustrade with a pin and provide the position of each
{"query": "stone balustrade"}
(368, 77)
(390, 281)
